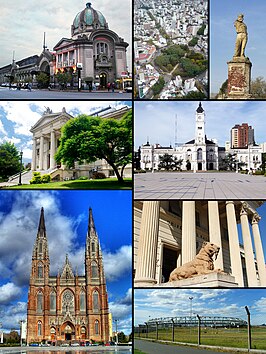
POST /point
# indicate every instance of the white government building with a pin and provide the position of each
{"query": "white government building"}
(168, 234)
(200, 153)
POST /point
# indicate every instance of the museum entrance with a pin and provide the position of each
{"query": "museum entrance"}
(169, 262)
(103, 80)
(200, 166)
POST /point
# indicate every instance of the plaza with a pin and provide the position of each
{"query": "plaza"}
(200, 185)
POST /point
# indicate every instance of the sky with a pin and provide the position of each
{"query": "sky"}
(17, 117)
(66, 220)
(23, 23)
(158, 303)
(156, 120)
(223, 36)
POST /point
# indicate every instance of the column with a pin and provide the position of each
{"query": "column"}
(249, 255)
(236, 265)
(148, 241)
(41, 152)
(33, 162)
(52, 150)
(188, 231)
(215, 232)
(259, 250)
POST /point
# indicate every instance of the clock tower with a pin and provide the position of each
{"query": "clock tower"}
(200, 126)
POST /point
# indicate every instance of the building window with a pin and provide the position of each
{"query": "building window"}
(68, 302)
(94, 270)
(96, 327)
(92, 247)
(39, 301)
(40, 271)
(53, 301)
(39, 328)
(40, 247)
(101, 48)
(95, 299)
(82, 301)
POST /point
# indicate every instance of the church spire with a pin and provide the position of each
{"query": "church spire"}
(41, 228)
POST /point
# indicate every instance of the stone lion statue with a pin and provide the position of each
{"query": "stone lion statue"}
(201, 264)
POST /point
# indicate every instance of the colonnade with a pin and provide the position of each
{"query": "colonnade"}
(149, 234)
(42, 161)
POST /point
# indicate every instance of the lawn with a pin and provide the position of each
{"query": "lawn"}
(227, 337)
(108, 183)
(136, 351)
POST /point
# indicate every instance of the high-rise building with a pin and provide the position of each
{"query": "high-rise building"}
(67, 307)
(242, 136)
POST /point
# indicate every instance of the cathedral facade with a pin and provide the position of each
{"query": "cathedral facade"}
(67, 307)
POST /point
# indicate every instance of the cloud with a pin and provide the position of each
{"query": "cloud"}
(2, 129)
(121, 311)
(116, 264)
(9, 292)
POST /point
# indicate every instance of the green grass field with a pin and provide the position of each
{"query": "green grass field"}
(136, 351)
(227, 337)
(108, 183)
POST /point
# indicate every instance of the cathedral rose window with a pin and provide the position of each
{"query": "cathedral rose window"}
(68, 302)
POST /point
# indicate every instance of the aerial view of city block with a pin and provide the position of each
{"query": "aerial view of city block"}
(171, 49)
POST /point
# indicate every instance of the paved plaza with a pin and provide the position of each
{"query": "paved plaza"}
(200, 185)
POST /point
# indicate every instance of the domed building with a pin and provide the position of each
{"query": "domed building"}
(98, 51)
(93, 46)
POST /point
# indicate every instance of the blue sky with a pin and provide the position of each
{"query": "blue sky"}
(156, 120)
(26, 21)
(17, 117)
(66, 218)
(206, 302)
(223, 36)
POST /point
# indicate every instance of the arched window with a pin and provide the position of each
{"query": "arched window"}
(92, 247)
(94, 270)
(82, 301)
(101, 48)
(68, 302)
(40, 270)
(39, 328)
(199, 154)
(52, 301)
(95, 300)
(40, 247)
(39, 301)
(96, 325)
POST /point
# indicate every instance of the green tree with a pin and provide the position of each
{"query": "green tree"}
(88, 139)
(258, 88)
(64, 78)
(9, 160)
(193, 41)
(194, 95)
(223, 88)
(43, 80)
(168, 162)
(201, 30)
(263, 162)
(157, 88)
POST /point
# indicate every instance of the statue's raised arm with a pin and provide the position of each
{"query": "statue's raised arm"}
(241, 37)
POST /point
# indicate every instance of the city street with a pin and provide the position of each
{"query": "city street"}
(7, 94)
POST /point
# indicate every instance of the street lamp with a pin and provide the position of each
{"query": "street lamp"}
(116, 333)
(20, 170)
(191, 298)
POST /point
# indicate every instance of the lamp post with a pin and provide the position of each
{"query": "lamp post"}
(191, 298)
(20, 170)
(116, 333)
(1, 334)
(21, 322)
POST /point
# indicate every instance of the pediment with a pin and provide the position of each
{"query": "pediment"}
(63, 42)
(47, 119)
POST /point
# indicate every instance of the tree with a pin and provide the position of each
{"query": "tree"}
(64, 78)
(263, 162)
(89, 139)
(9, 160)
(168, 162)
(201, 30)
(43, 80)
(258, 88)
(193, 41)
(231, 163)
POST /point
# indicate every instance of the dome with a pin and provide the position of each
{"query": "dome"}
(89, 19)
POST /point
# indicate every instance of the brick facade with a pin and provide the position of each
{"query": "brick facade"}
(67, 307)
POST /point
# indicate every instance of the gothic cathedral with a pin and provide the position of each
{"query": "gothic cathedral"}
(67, 307)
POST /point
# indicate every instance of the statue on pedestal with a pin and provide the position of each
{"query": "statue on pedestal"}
(242, 36)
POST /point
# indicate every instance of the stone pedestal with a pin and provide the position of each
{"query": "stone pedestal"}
(211, 280)
(239, 75)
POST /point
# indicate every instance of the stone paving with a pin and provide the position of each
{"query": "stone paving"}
(200, 185)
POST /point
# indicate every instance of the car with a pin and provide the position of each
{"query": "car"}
(65, 345)
(74, 344)
(34, 344)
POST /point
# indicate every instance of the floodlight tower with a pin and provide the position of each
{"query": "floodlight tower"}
(191, 298)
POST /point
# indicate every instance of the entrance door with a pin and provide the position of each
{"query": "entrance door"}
(169, 262)
(68, 336)
(103, 80)
(211, 166)
(200, 166)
